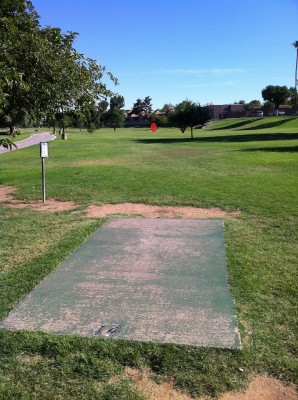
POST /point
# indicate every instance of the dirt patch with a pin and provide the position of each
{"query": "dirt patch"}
(6, 196)
(6, 193)
(151, 390)
(264, 388)
(157, 211)
(50, 205)
(93, 211)
(260, 388)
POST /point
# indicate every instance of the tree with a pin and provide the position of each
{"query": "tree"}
(137, 107)
(167, 108)
(103, 105)
(179, 117)
(189, 114)
(253, 104)
(147, 106)
(117, 101)
(93, 115)
(114, 118)
(159, 119)
(77, 78)
(268, 107)
(89, 113)
(295, 44)
(142, 105)
(276, 94)
(41, 73)
(18, 40)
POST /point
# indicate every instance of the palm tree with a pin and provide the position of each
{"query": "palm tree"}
(295, 44)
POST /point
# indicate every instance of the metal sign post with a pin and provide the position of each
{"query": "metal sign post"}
(44, 153)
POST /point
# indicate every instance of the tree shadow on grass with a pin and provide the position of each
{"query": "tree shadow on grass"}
(265, 125)
(293, 149)
(271, 124)
(236, 125)
(222, 139)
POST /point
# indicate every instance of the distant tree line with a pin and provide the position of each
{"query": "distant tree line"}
(273, 97)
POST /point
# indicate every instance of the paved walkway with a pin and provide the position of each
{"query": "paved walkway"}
(36, 138)
(163, 280)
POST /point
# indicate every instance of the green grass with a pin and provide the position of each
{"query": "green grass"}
(247, 164)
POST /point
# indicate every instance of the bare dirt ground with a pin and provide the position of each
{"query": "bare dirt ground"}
(6, 196)
(94, 211)
(157, 211)
(260, 388)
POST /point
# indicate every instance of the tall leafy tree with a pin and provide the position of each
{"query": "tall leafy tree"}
(92, 115)
(137, 107)
(76, 79)
(117, 101)
(89, 113)
(19, 43)
(114, 118)
(276, 94)
(142, 105)
(147, 106)
(190, 115)
(179, 117)
(41, 73)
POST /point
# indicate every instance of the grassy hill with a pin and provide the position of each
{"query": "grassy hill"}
(249, 123)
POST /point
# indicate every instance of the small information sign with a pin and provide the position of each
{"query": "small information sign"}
(44, 152)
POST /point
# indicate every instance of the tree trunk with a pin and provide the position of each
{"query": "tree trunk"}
(54, 130)
(191, 132)
(12, 130)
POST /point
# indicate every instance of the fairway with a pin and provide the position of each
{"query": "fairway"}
(244, 169)
(148, 218)
(143, 279)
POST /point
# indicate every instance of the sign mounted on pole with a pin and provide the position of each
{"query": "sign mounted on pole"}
(44, 153)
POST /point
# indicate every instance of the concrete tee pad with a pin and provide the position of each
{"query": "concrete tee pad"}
(161, 280)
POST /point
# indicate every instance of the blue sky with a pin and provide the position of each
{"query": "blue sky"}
(212, 51)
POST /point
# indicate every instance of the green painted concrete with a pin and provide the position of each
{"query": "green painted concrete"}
(160, 280)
